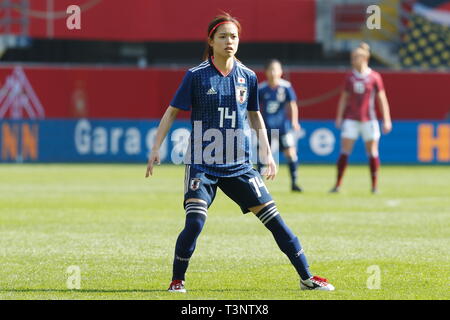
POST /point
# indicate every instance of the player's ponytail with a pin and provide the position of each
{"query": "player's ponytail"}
(212, 29)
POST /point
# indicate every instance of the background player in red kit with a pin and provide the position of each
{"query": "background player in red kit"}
(356, 113)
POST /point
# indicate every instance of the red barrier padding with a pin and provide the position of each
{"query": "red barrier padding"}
(125, 93)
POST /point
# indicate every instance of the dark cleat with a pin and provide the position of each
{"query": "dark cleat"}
(334, 190)
(296, 188)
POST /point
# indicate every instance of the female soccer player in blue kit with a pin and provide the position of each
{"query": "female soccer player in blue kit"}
(222, 95)
(276, 97)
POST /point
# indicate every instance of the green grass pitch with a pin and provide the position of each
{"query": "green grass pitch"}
(120, 230)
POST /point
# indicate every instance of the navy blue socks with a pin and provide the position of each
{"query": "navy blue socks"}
(293, 170)
(196, 214)
(286, 240)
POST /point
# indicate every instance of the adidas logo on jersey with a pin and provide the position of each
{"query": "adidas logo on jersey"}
(211, 91)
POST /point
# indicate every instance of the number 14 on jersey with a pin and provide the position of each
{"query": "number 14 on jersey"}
(226, 115)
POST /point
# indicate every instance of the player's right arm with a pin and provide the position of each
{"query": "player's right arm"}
(181, 101)
(164, 126)
(341, 108)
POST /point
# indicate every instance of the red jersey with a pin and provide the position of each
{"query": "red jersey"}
(362, 90)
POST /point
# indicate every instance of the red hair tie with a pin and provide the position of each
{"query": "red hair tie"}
(215, 27)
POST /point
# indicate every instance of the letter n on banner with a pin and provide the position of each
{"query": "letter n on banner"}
(19, 141)
(30, 138)
(10, 141)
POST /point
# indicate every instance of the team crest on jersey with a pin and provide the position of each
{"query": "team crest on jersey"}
(195, 184)
(241, 94)
(359, 87)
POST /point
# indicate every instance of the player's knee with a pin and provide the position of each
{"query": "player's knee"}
(258, 208)
(372, 152)
(346, 150)
(267, 213)
(291, 155)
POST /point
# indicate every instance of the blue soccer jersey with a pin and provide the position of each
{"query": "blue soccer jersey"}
(220, 142)
(274, 102)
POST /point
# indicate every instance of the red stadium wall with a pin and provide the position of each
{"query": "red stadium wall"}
(160, 20)
(121, 93)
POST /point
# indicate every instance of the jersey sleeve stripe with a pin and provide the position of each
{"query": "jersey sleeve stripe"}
(200, 66)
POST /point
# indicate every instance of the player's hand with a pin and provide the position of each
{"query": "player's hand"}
(270, 171)
(296, 126)
(338, 123)
(387, 127)
(154, 158)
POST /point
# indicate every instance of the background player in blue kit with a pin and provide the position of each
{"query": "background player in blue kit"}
(277, 101)
(222, 95)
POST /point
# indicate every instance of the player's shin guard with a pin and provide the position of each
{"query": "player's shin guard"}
(195, 219)
(286, 240)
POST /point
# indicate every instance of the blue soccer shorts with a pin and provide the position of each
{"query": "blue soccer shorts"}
(285, 139)
(247, 190)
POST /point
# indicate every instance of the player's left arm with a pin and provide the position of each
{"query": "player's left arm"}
(383, 104)
(293, 108)
(257, 123)
(385, 111)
